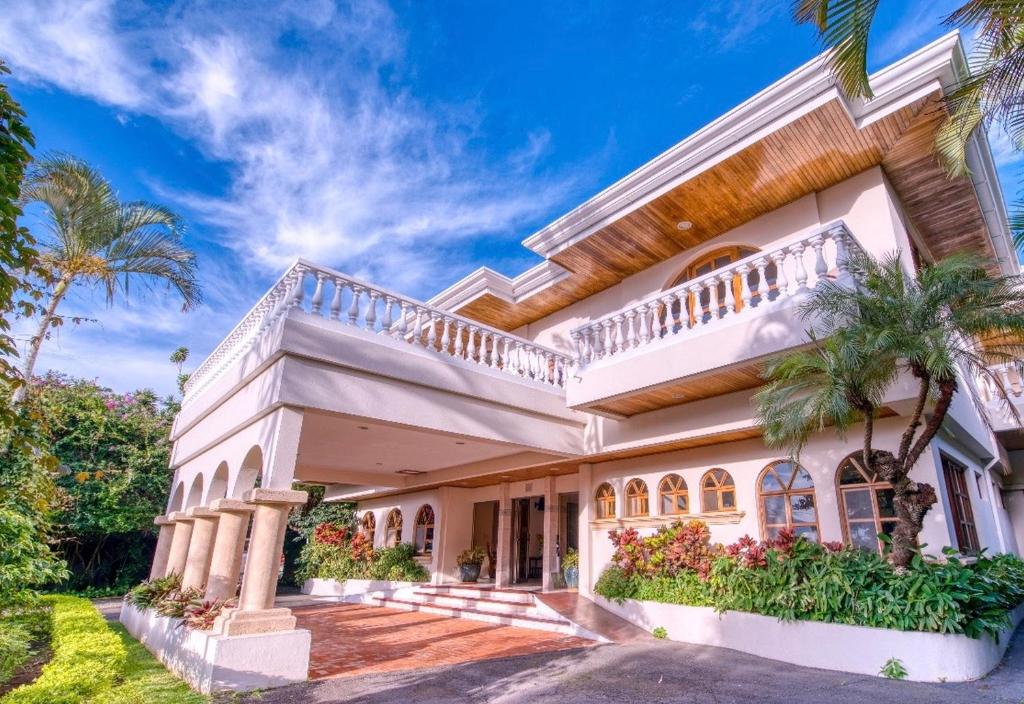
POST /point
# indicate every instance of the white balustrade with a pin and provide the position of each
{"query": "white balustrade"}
(754, 283)
(305, 288)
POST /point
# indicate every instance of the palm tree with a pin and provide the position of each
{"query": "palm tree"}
(92, 237)
(888, 325)
(992, 94)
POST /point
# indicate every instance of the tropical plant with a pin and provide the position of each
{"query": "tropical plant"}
(200, 615)
(992, 94)
(178, 359)
(146, 594)
(175, 603)
(90, 236)
(864, 337)
(471, 556)
(571, 559)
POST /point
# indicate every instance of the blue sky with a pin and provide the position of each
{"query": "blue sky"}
(407, 143)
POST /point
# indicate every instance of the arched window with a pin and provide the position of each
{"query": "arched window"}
(423, 539)
(866, 504)
(393, 528)
(786, 493)
(675, 499)
(604, 501)
(699, 306)
(369, 526)
(637, 503)
(717, 491)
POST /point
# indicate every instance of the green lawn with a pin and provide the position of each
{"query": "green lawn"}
(145, 680)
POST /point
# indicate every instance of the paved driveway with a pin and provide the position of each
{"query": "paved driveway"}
(648, 672)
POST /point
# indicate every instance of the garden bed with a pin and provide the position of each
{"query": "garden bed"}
(926, 657)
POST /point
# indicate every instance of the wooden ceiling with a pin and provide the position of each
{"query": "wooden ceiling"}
(810, 154)
(693, 388)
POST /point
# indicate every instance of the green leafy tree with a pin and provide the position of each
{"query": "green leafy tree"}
(178, 358)
(864, 337)
(113, 451)
(92, 237)
(992, 95)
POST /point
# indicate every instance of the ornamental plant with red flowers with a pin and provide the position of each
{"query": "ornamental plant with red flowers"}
(330, 534)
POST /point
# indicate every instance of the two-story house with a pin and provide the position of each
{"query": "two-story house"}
(611, 384)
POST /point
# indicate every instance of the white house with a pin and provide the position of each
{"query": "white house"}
(611, 384)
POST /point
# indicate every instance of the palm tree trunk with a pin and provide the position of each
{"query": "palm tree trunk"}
(37, 341)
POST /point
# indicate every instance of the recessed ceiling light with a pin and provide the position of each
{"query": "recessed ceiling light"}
(459, 442)
(684, 225)
(363, 427)
(380, 464)
(410, 472)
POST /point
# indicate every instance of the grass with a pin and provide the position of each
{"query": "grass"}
(145, 680)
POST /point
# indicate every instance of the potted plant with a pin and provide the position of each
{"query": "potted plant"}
(469, 562)
(571, 568)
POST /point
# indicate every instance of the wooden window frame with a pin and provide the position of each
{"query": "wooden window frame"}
(636, 490)
(786, 492)
(672, 493)
(965, 528)
(873, 484)
(393, 525)
(604, 502)
(369, 526)
(735, 253)
(425, 512)
(719, 489)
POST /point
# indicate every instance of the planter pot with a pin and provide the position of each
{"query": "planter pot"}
(469, 573)
(572, 577)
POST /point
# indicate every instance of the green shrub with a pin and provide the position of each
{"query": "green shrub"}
(151, 591)
(793, 579)
(660, 633)
(333, 552)
(15, 648)
(87, 657)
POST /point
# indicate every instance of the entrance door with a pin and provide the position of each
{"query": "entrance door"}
(520, 540)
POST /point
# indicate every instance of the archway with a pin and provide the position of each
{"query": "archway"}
(249, 473)
(195, 493)
(218, 488)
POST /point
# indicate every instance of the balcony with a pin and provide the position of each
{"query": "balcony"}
(705, 336)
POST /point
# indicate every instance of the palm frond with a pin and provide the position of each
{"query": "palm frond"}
(844, 27)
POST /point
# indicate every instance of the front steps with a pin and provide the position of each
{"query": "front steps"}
(498, 606)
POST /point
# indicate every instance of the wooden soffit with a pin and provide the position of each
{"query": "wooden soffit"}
(811, 153)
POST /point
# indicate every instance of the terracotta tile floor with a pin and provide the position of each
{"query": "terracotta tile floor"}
(352, 639)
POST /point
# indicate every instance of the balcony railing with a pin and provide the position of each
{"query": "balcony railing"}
(755, 283)
(1000, 404)
(353, 303)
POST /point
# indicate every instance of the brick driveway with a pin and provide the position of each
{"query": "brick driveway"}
(353, 639)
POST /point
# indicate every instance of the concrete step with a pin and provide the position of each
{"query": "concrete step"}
(507, 595)
(486, 604)
(554, 625)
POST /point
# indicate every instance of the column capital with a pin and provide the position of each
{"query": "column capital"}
(163, 521)
(232, 505)
(179, 516)
(275, 496)
(200, 512)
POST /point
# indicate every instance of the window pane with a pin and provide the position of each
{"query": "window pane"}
(710, 500)
(726, 479)
(785, 470)
(862, 535)
(802, 480)
(858, 503)
(888, 527)
(886, 509)
(807, 532)
(771, 482)
(850, 475)
(728, 499)
(775, 510)
(772, 532)
(802, 506)
(681, 503)
(666, 504)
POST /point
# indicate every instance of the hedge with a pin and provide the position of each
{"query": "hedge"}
(88, 657)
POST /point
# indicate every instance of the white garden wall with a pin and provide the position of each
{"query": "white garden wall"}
(352, 590)
(927, 657)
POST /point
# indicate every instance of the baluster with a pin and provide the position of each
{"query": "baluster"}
(485, 336)
(596, 331)
(645, 329)
(696, 307)
(471, 344)
(579, 345)
(417, 328)
(385, 324)
(505, 351)
(670, 317)
(432, 331)
(459, 344)
(842, 258)
(549, 365)
(403, 321)
(298, 293)
(801, 273)
(446, 339)
(370, 319)
(730, 297)
(744, 272)
(517, 362)
(609, 342)
(620, 335)
(318, 294)
(353, 309)
(588, 347)
(336, 300)
(762, 280)
(781, 282)
(495, 356)
(820, 268)
(631, 339)
(714, 307)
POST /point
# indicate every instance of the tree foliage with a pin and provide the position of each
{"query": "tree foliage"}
(890, 323)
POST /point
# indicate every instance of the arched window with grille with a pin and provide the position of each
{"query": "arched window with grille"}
(866, 504)
(637, 498)
(785, 493)
(423, 539)
(393, 528)
(604, 501)
(675, 498)
(717, 491)
(369, 526)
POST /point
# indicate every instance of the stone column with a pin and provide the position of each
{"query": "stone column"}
(256, 612)
(204, 531)
(226, 557)
(179, 542)
(502, 576)
(163, 547)
(550, 578)
(586, 494)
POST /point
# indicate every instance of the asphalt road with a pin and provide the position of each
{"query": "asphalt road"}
(648, 672)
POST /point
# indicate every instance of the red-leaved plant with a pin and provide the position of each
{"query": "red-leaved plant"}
(672, 549)
(200, 615)
(330, 534)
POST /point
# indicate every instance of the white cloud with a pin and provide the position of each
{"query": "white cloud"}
(921, 20)
(727, 24)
